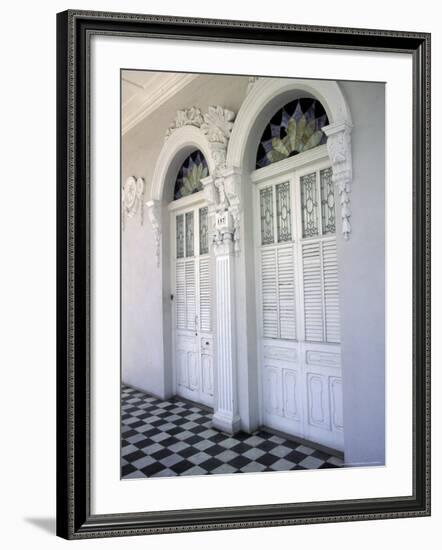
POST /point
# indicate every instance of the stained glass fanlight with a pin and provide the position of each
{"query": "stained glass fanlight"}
(192, 171)
(295, 128)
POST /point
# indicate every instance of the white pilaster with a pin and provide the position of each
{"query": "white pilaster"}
(226, 417)
(339, 150)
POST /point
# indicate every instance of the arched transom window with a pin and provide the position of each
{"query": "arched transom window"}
(295, 128)
(192, 171)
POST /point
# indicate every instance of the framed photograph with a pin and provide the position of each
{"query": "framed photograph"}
(243, 274)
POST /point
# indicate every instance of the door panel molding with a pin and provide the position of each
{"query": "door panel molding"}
(317, 401)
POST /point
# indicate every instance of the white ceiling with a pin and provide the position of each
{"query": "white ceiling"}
(144, 91)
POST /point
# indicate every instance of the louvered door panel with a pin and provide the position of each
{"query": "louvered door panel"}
(269, 293)
(190, 294)
(312, 279)
(331, 291)
(180, 295)
(286, 293)
(204, 289)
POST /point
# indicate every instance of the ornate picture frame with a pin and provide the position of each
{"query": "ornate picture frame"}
(75, 29)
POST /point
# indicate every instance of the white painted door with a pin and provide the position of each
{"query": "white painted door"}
(298, 295)
(193, 339)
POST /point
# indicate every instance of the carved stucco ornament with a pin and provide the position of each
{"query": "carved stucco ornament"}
(185, 117)
(232, 189)
(339, 151)
(227, 208)
(223, 236)
(133, 198)
(154, 213)
(218, 125)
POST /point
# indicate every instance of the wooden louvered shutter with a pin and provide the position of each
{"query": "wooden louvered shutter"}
(286, 293)
(185, 299)
(205, 305)
(321, 292)
(180, 295)
(269, 293)
(190, 294)
(331, 291)
(313, 300)
(278, 293)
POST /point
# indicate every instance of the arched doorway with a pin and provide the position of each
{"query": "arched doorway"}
(288, 175)
(191, 283)
(296, 266)
(178, 204)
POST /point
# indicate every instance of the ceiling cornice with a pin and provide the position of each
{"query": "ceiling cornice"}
(163, 93)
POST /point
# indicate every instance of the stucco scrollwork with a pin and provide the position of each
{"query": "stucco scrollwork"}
(217, 126)
(228, 206)
(339, 150)
(132, 198)
(210, 193)
(154, 213)
(236, 216)
(232, 190)
(224, 203)
(186, 117)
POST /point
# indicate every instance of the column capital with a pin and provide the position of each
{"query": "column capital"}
(223, 192)
(223, 239)
(210, 193)
(233, 189)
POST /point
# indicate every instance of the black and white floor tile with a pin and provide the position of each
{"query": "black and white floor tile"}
(170, 438)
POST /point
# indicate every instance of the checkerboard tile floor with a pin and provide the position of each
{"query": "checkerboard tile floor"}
(170, 438)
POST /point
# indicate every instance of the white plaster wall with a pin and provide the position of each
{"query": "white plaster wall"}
(362, 281)
(142, 292)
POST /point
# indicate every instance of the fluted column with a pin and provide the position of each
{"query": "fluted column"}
(226, 417)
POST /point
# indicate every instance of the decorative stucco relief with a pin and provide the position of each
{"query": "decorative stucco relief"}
(232, 189)
(185, 117)
(339, 151)
(218, 125)
(154, 213)
(132, 198)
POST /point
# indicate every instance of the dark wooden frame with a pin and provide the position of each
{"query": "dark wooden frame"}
(74, 519)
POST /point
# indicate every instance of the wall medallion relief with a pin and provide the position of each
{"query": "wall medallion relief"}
(132, 199)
